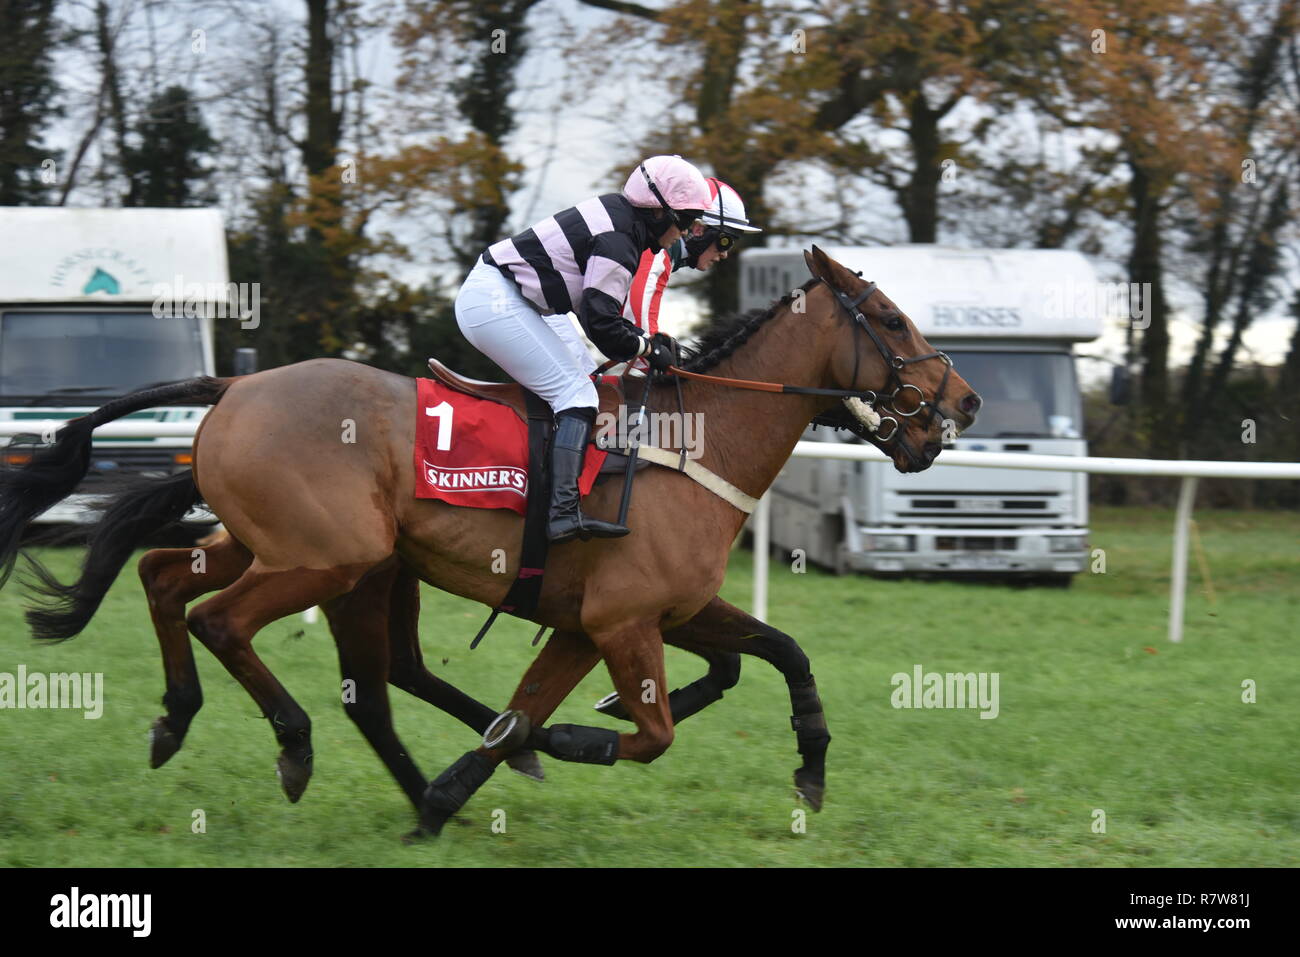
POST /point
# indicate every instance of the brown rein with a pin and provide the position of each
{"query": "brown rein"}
(752, 384)
(733, 383)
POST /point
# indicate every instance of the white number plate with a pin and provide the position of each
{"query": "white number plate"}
(979, 562)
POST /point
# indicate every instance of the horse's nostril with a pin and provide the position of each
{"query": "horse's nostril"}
(971, 404)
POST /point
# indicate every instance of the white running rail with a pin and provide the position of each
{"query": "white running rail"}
(1189, 471)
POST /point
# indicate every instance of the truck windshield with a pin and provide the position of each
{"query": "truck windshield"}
(1026, 394)
(69, 353)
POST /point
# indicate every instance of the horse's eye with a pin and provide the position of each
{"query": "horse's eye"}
(894, 323)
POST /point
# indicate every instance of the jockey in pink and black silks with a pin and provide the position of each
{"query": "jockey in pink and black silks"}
(580, 260)
(720, 228)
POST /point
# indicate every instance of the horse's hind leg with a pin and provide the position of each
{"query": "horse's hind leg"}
(173, 577)
(360, 622)
(226, 624)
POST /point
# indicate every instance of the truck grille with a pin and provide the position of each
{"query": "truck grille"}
(975, 543)
(1002, 506)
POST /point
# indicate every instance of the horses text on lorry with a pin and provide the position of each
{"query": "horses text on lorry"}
(1009, 318)
(96, 303)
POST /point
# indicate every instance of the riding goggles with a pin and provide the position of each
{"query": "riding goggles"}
(704, 235)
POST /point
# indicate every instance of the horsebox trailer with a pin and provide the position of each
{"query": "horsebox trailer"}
(96, 303)
(1010, 319)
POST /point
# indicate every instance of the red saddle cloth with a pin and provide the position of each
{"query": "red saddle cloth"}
(473, 452)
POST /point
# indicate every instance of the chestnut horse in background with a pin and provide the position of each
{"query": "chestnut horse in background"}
(317, 520)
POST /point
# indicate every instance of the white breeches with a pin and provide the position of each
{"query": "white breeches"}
(544, 354)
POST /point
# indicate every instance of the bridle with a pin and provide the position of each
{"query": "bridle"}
(893, 361)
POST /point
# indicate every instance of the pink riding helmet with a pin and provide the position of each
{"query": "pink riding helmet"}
(679, 183)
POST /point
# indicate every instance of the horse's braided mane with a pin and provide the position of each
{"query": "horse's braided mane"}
(723, 338)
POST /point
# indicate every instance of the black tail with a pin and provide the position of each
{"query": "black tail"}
(55, 472)
(144, 510)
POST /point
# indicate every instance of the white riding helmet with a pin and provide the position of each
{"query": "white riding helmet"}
(726, 210)
(668, 182)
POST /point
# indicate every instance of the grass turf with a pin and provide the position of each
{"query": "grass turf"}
(1098, 712)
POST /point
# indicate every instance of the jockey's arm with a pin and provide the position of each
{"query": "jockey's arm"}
(606, 282)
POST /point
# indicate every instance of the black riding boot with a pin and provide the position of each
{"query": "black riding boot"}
(568, 448)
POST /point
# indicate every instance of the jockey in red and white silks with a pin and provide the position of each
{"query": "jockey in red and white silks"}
(721, 227)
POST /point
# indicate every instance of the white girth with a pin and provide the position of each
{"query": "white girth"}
(694, 470)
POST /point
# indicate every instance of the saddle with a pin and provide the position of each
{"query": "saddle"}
(609, 390)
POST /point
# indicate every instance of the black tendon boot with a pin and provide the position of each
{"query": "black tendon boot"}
(569, 446)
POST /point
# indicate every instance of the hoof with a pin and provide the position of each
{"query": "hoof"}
(431, 823)
(418, 836)
(293, 774)
(508, 731)
(528, 764)
(162, 743)
(810, 788)
(612, 706)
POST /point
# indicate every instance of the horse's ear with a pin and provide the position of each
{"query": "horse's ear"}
(818, 263)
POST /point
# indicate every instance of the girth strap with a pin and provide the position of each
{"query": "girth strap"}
(714, 482)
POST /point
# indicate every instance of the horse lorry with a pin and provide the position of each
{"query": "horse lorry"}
(1010, 319)
(96, 303)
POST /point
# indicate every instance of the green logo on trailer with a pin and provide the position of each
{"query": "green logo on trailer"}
(101, 282)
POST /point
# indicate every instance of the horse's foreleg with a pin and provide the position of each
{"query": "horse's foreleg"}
(565, 660)
(723, 673)
(722, 630)
(226, 624)
(725, 627)
(634, 655)
(173, 577)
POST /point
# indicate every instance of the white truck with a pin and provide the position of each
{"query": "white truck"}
(1009, 318)
(80, 324)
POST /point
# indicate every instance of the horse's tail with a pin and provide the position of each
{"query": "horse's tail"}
(54, 472)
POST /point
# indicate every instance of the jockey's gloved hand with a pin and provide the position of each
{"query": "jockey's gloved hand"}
(663, 351)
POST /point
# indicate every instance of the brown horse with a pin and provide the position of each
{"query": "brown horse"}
(310, 468)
